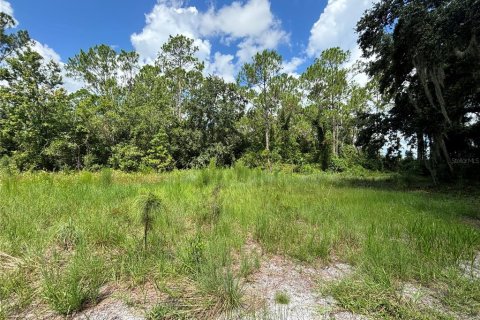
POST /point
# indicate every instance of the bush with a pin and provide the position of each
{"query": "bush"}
(126, 157)
(61, 153)
(158, 157)
(307, 169)
(90, 162)
(338, 164)
(8, 166)
(260, 159)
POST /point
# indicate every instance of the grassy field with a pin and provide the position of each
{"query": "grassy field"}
(65, 236)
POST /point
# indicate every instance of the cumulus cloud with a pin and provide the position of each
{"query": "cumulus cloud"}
(291, 67)
(250, 25)
(222, 66)
(46, 52)
(6, 7)
(336, 28)
(336, 25)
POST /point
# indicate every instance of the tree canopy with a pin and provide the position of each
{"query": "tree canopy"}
(423, 60)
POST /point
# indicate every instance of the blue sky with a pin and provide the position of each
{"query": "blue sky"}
(228, 33)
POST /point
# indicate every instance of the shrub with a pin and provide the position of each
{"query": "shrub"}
(158, 157)
(126, 157)
(259, 159)
(282, 298)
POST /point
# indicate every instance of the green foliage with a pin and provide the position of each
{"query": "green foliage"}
(426, 63)
(158, 156)
(126, 157)
(101, 67)
(282, 298)
(150, 206)
(67, 288)
(11, 42)
(261, 75)
(33, 112)
(259, 159)
(168, 115)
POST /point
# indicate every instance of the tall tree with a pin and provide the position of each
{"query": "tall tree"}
(261, 75)
(289, 117)
(427, 59)
(177, 61)
(33, 110)
(103, 70)
(327, 86)
(101, 109)
(214, 113)
(10, 43)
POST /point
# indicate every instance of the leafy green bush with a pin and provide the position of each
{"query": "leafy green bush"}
(126, 157)
(158, 157)
(307, 169)
(338, 164)
(7, 165)
(260, 159)
(61, 153)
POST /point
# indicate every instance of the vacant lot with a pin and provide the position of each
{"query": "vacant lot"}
(234, 243)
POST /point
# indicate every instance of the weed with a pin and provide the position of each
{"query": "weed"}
(68, 236)
(106, 177)
(282, 297)
(67, 288)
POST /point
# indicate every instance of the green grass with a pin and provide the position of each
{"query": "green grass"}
(68, 285)
(76, 232)
(282, 298)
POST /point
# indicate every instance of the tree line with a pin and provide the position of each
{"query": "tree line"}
(423, 89)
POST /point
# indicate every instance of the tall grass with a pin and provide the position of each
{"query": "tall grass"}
(68, 285)
(81, 230)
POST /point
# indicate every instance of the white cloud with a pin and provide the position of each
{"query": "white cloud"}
(167, 19)
(290, 67)
(336, 25)
(6, 7)
(46, 52)
(240, 20)
(336, 28)
(251, 25)
(70, 84)
(222, 66)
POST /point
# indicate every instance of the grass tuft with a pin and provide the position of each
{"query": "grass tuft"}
(282, 297)
(67, 288)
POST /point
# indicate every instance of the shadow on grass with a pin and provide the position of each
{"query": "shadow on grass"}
(465, 191)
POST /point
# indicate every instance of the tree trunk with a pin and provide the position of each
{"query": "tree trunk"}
(267, 145)
(334, 137)
(420, 146)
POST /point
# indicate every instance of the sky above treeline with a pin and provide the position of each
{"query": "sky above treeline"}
(228, 33)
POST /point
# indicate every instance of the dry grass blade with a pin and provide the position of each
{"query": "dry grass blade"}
(8, 263)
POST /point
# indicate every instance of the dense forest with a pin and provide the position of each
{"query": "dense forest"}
(418, 112)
